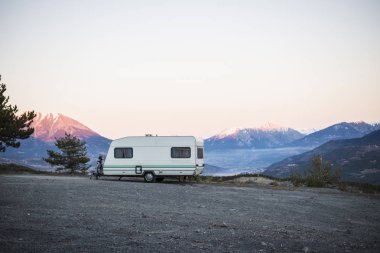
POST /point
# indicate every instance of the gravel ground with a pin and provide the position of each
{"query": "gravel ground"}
(75, 214)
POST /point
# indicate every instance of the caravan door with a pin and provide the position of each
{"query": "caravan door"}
(199, 160)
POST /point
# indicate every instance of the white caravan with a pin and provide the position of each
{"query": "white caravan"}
(154, 157)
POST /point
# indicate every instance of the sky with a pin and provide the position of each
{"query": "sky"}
(193, 67)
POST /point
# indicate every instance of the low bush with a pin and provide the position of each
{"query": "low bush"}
(296, 179)
(319, 174)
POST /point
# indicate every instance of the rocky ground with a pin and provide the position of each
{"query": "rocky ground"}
(74, 214)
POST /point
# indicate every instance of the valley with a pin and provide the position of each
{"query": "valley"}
(238, 161)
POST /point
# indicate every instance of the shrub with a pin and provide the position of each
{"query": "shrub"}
(320, 175)
(296, 178)
(342, 187)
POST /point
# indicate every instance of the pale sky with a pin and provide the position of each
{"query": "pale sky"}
(193, 67)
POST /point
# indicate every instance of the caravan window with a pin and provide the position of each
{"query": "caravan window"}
(181, 152)
(200, 153)
(123, 152)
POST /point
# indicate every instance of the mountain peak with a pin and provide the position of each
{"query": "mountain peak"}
(236, 130)
(271, 127)
(268, 135)
(48, 126)
(228, 132)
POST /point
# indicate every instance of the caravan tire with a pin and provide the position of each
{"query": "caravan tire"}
(149, 177)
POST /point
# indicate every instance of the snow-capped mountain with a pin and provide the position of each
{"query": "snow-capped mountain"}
(266, 136)
(343, 130)
(307, 131)
(49, 126)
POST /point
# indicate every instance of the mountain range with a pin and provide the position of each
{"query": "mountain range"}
(358, 158)
(273, 136)
(250, 147)
(48, 127)
(338, 131)
(267, 136)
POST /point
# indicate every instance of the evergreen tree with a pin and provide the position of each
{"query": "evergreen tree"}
(73, 155)
(320, 174)
(13, 127)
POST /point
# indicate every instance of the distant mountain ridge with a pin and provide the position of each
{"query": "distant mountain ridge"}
(343, 130)
(48, 127)
(274, 136)
(267, 136)
(359, 159)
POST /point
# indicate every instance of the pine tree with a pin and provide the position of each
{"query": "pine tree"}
(73, 155)
(13, 127)
(320, 174)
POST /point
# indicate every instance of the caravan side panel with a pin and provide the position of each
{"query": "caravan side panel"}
(152, 154)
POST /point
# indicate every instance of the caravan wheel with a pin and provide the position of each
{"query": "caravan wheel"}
(149, 177)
